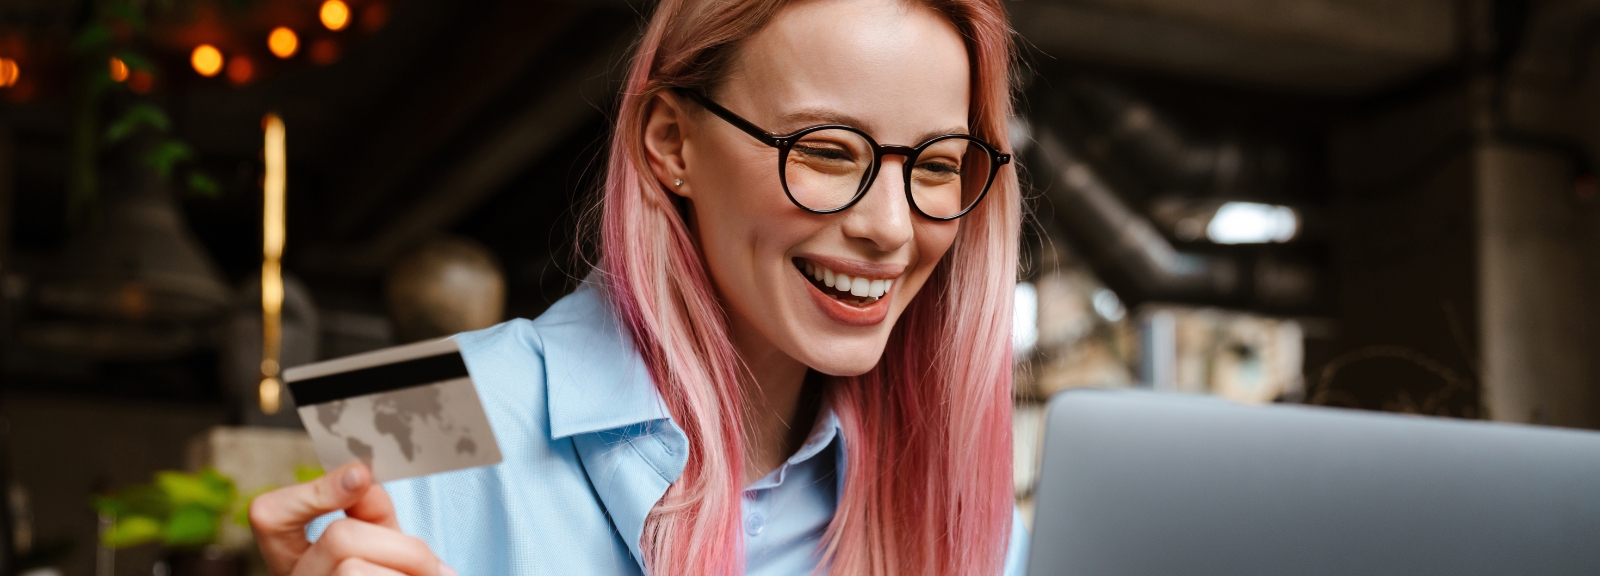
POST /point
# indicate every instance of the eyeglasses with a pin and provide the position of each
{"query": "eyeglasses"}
(828, 168)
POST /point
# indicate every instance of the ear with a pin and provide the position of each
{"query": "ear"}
(664, 126)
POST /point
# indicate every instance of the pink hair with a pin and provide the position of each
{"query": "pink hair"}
(927, 487)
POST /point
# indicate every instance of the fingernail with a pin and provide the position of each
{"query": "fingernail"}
(351, 480)
(445, 569)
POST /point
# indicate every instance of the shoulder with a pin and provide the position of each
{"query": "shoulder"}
(515, 364)
(507, 366)
(487, 520)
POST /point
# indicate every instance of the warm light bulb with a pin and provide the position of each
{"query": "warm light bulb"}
(275, 153)
(271, 395)
(283, 42)
(207, 60)
(119, 69)
(335, 14)
(9, 72)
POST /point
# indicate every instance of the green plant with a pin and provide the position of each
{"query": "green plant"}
(120, 30)
(177, 509)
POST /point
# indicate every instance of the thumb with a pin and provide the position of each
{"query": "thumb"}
(279, 517)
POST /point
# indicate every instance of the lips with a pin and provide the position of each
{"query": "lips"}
(853, 300)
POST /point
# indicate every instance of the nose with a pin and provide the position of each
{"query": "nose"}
(882, 218)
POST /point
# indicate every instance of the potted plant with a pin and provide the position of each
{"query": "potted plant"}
(181, 511)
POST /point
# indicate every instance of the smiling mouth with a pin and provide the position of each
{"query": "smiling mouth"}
(855, 291)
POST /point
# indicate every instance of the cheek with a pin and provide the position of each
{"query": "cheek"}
(934, 240)
(744, 221)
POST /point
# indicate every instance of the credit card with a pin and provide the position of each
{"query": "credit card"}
(406, 411)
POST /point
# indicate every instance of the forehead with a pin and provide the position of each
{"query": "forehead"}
(896, 69)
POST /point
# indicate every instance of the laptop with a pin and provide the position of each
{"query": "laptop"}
(1141, 483)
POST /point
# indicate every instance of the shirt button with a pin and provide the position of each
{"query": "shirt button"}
(754, 524)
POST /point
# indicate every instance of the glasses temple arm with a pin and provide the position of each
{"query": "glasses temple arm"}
(728, 115)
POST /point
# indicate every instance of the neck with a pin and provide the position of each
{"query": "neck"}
(781, 408)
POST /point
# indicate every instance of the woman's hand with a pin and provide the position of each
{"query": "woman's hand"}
(368, 541)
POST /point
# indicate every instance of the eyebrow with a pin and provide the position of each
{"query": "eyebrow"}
(806, 117)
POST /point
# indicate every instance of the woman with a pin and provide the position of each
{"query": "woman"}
(794, 355)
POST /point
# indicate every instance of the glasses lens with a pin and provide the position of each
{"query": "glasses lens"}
(825, 169)
(950, 176)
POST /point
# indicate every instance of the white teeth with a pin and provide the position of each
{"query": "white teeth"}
(856, 286)
(860, 286)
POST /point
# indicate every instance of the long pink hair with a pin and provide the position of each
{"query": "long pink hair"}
(927, 479)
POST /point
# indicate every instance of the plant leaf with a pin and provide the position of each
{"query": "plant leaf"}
(191, 525)
(202, 490)
(220, 485)
(307, 472)
(137, 116)
(166, 155)
(93, 37)
(136, 500)
(202, 185)
(131, 531)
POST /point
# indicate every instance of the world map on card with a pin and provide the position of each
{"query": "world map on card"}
(405, 432)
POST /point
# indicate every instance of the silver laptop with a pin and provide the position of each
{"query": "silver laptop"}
(1146, 484)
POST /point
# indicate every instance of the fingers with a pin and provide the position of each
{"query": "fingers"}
(279, 517)
(359, 567)
(349, 539)
(375, 507)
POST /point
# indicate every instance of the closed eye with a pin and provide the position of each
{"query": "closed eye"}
(940, 168)
(824, 152)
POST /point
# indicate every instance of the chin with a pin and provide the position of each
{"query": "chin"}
(847, 359)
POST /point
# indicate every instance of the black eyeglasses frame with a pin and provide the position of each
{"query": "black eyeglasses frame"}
(784, 142)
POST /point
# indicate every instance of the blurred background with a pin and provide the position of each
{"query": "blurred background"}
(1365, 204)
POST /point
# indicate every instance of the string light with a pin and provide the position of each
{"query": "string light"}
(119, 69)
(374, 16)
(335, 14)
(283, 42)
(272, 236)
(9, 72)
(207, 60)
(324, 52)
(241, 69)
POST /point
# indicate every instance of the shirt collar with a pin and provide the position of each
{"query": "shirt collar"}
(594, 378)
(823, 433)
(601, 395)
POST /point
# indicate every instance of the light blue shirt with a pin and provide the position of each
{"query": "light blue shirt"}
(589, 449)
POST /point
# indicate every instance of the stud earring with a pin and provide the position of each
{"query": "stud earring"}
(677, 182)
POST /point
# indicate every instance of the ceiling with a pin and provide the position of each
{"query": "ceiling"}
(486, 118)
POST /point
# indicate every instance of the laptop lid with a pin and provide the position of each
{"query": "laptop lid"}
(1141, 483)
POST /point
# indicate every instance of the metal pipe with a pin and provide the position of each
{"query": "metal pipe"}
(1126, 243)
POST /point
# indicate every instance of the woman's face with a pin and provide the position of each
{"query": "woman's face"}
(897, 71)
